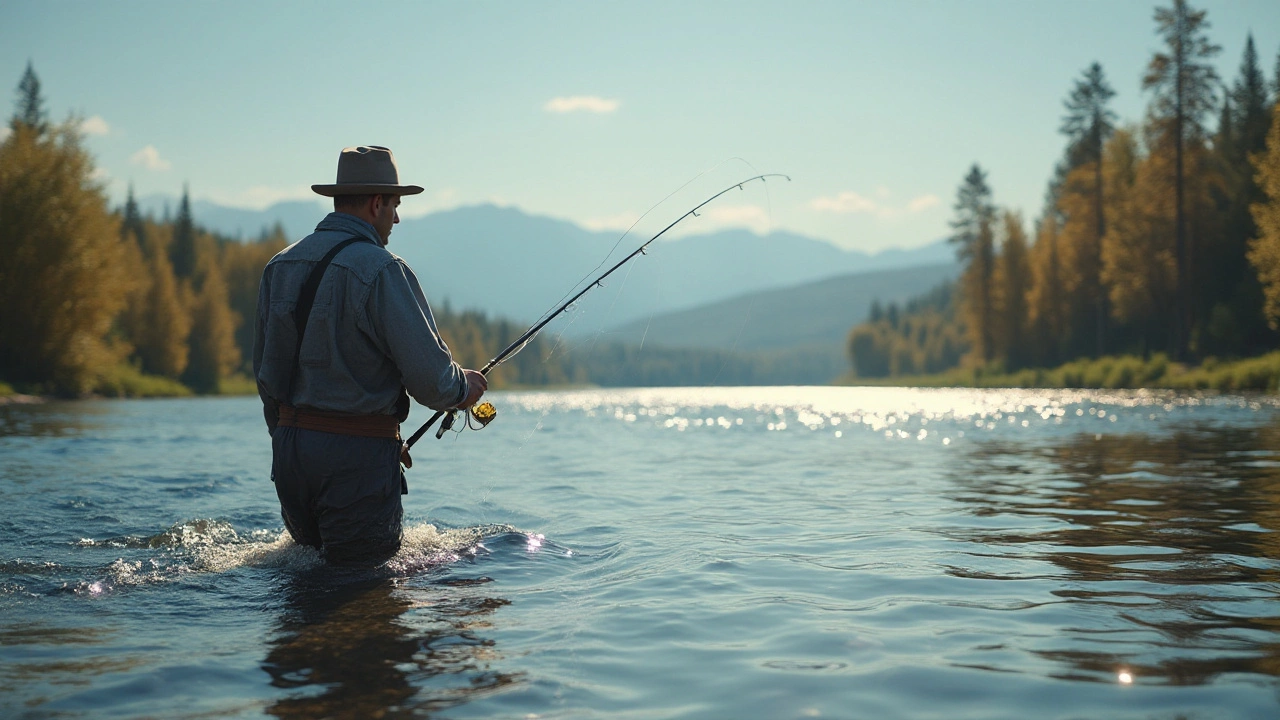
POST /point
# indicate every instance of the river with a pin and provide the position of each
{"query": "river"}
(787, 552)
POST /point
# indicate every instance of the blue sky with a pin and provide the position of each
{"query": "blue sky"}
(592, 112)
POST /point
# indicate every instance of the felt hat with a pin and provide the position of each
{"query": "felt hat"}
(367, 170)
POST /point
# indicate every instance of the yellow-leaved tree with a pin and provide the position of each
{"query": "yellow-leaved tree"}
(64, 275)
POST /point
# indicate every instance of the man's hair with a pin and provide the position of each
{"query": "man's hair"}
(342, 203)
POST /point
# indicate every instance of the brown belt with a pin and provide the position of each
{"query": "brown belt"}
(379, 426)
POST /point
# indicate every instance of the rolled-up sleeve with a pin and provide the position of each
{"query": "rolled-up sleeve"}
(401, 318)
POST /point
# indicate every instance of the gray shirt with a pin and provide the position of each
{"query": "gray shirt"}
(370, 337)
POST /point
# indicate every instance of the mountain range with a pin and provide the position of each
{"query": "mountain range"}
(813, 314)
(516, 265)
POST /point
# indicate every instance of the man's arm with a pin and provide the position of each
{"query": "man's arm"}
(399, 311)
(270, 408)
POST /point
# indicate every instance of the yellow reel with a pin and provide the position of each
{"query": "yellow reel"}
(484, 413)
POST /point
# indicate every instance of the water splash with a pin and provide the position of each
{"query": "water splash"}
(214, 546)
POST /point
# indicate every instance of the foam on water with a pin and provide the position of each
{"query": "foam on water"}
(214, 546)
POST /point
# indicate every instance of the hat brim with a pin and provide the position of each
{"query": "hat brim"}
(336, 190)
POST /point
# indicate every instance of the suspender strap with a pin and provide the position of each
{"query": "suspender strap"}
(302, 311)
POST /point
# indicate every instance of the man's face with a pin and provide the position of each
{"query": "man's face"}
(385, 216)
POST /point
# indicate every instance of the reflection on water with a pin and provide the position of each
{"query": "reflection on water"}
(52, 419)
(376, 647)
(772, 552)
(1166, 543)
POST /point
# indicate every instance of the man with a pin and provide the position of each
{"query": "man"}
(335, 394)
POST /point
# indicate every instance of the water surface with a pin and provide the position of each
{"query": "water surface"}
(699, 553)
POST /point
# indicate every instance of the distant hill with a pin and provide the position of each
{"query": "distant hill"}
(814, 314)
(512, 264)
(297, 217)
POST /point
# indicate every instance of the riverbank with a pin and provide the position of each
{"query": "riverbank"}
(126, 381)
(1260, 373)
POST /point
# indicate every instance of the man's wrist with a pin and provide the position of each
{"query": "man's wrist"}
(462, 393)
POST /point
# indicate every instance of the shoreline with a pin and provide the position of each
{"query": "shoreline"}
(21, 399)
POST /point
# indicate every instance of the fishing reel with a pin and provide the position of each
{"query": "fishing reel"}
(483, 413)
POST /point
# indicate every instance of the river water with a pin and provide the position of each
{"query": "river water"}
(684, 553)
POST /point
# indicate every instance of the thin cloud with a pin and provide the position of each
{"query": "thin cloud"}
(851, 203)
(4, 132)
(95, 125)
(149, 158)
(581, 103)
(845, 203)
(922, 203)
(260, 197)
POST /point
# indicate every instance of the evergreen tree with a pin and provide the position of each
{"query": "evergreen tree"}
(132, 225)
(1275, 79)
(30, 110)
(164, 325)
(1251, 116)
(182, 252)
(1264, 251)
(213, 352)
(1233, 297)
(1139, 265)
(1046, 297)
(1184, 84)
(1088, 124)
(1013, 280)
(975, 238)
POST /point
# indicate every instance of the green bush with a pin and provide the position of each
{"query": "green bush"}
(126, 380)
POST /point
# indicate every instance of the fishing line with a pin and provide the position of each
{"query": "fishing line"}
(524, 340)
(746, 316)
(637, 221)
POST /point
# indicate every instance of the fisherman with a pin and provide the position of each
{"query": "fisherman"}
(339, 347)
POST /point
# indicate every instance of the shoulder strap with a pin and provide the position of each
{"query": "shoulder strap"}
(307, 298)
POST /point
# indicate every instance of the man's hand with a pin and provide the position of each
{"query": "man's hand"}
(476, 385)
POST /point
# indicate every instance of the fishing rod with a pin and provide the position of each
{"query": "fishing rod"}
(522, 341)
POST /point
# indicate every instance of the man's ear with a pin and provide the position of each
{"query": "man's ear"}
(375, 204)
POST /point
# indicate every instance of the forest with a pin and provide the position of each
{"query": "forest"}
(95, 300)
(1158, 237)
(108, 301)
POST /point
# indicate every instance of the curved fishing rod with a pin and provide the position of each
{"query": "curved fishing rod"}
(529, 334)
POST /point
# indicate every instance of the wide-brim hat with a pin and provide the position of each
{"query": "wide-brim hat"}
(367, 170)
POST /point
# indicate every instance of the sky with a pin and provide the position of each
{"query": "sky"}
(594, 112)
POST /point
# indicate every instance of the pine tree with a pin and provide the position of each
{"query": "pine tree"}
(1046, 297)
(182, 253)
(1185, 84)
(30, 111)
(975, 236)
(1139, 264)
(1233, 297)
(213, 352)
(1275, 88)
(1088, 124)
(164, 326)
(1264, 251)
(1014, 273)
(132, 226)
(1251, 116)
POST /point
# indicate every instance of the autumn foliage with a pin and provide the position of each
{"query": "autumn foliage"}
(1158, 236)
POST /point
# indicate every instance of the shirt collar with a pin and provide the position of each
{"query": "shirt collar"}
(343, 222)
